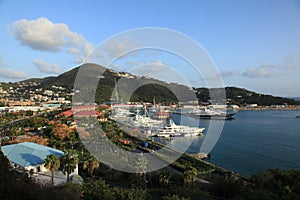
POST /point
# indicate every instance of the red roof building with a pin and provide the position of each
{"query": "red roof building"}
(67, 113)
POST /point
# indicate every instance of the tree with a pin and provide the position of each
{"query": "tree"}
(69, 162)
(52, 163)
(141, 164)
(98, 190)
(91, 163)
(61, 131)
(174, 197)
(190, 175)
(4, 164)
(284, 184)
(136, 181)
(132, 194)
(164, 177)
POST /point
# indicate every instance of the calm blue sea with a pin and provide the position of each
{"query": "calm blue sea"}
(253, 142)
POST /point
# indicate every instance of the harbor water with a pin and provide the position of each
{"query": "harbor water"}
(253, 142)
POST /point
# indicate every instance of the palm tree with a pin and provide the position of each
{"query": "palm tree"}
(52, 163)
(190, 175)
(137, 181)
(91, 163)
(141, 165)
(69, 162)
(164, 177)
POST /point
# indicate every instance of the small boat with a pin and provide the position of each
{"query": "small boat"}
(298, 116)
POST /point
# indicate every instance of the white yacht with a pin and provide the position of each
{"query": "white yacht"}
(144, 121)
(208, 113)
(173, 130)
(121, 115)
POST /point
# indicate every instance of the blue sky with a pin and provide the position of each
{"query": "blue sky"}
(255, 44)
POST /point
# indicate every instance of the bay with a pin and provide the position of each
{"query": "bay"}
(253, 142)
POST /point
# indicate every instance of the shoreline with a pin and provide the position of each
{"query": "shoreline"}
(297, 108)
(203, 161)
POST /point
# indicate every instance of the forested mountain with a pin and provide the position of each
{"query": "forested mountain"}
(146, 88)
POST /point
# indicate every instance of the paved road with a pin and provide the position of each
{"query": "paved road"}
(15, 121)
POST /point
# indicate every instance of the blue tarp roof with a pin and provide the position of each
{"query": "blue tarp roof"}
(28, 154)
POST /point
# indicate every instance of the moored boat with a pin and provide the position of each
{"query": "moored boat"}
(160, 114)
(211, 114)
(173, 130)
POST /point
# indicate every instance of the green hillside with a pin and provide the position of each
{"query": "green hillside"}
(241, 96)
(135, 88)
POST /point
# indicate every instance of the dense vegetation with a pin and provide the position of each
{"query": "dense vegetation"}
(271, 184)
(241, 97)
(149, 91)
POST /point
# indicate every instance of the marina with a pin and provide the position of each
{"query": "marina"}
(154, 127)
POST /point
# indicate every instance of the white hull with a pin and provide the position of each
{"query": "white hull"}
(174, 130)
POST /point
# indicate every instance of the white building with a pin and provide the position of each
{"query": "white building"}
(30, 156)
(254, 105)
(48, 92)
(234, 107)
(25, 108)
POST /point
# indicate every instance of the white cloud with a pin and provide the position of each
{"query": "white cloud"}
(74, 50)
(229, 73)
(118, 46)
(12, 73)
(8, 73)
(291, 59)
(47, 67)
(289, 68)
(117, 67)
(269, 70)
(156, 69)
(158, 62)
(44, 35)
(134, 63)
(222, 75)
(264, 70)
